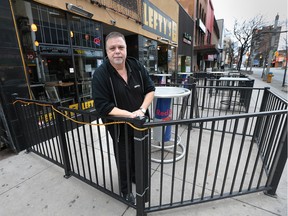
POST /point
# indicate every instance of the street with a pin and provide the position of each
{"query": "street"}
(278, 73)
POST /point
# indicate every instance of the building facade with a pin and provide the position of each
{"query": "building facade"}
(206, 34)
(50, 49)
(261, 45)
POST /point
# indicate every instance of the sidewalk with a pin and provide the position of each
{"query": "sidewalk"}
(275, 85)
(33, 186)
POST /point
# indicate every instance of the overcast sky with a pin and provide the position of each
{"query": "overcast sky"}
(229, 10)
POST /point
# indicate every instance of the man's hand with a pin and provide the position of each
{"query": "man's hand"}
(137, 113)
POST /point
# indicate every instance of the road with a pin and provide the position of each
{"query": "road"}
(277, 72)
(277, 80)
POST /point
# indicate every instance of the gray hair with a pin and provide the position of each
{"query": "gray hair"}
(114, 35)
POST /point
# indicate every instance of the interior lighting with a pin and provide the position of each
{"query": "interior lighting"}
(78, 10)
(36, 43)
(34, 27)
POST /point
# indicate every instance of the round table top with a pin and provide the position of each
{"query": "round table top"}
(170, 92)
(159, 74)
(185, 73)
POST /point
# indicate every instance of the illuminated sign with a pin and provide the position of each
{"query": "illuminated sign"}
(158, 22)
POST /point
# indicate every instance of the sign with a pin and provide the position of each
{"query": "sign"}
(156, 21)
(163, 112)
(53, 50)
(89, 53)
(187, 38)
(30, 55)
(48, 117)
(201, 25)
(97, 41)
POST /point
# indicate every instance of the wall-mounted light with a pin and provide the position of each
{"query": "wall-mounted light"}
(71, 34)
(174, 43)
(34, 27)
(167, 41)
(36, 43)
(163, 39)
(78, 10)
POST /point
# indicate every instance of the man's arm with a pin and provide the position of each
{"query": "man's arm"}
(121, 112)
(124, 113)
(147, 100)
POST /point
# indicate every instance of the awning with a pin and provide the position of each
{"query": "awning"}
(207, 49)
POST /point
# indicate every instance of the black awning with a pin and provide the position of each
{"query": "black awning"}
(207, 49)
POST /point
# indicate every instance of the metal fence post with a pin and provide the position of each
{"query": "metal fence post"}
(260, 119)
(141, 166)
(279, 163)
(193, 101)
(63, 144)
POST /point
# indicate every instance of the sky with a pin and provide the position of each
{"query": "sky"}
(229, 10)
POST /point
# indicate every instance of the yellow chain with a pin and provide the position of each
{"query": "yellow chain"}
(79, 122)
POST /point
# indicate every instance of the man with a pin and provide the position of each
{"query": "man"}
(121, 86)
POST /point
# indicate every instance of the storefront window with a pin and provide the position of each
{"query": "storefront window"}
(172, 62)
(51, 25)
(86, 33)
(61, 50)
(148, 54)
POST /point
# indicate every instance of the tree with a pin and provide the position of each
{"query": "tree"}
(243, 33)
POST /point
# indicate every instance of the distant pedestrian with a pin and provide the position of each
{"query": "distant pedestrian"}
(222, 66)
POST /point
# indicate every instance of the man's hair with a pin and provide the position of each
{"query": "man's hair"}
(114, 35)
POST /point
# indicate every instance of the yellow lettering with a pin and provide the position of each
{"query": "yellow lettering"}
(50, 116)
(155, 20)
(160, 20)
(165, 25)
(73, 106)
(90, 103)
(84, 105)
(145, 14)
(150, 17)
(46, 118)
(169, 28)
(174, 34)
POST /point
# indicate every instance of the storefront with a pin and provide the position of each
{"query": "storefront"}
(50, 51)
(207, 56)
(185, 44)
(61, 51)
(164, 26)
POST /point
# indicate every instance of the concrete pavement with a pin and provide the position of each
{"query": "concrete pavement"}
(33, 186)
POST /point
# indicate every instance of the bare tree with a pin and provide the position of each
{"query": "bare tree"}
(243, 33)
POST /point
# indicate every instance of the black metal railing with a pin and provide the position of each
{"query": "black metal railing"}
(208, 157)
(217, 163)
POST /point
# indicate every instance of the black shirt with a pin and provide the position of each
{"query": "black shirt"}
(110, 90)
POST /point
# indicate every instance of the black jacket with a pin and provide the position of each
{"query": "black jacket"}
(109, 90)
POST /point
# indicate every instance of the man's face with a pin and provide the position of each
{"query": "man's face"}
(116, 50)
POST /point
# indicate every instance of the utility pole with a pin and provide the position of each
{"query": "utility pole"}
(286, 57)
(271, 48)
(252, 54)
